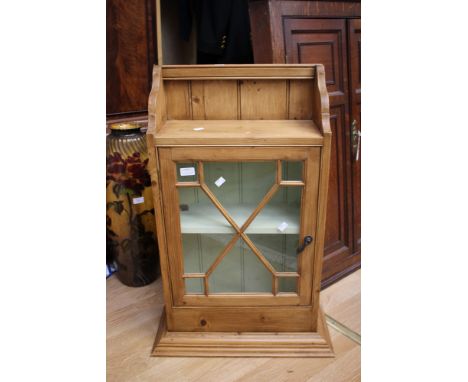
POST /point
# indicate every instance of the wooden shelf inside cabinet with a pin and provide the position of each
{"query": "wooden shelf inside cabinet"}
(239, 132)
(239, 162)
(266, 223)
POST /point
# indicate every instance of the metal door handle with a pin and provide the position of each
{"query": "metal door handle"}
(355, 140)
(307, 241)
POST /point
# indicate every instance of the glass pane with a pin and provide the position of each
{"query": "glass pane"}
(292, 170)
(194, 286)
(198, 214)
(287, 284)
(187, 172)
(275, 233)
(240, 272)
(281, 215)
(205, 233)
(201, 250)
(279, 250)
(240, 187)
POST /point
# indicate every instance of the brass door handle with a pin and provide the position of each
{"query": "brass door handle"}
(355, 140)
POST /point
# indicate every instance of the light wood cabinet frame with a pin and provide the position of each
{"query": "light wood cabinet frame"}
(245, 113)
(311, 157)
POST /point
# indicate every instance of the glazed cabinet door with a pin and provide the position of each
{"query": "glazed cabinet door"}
(240, 224)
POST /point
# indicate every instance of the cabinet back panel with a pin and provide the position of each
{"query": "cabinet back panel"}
(271, 99)
(264, 99)
(300, 99)
(214, 99)
(177, 99)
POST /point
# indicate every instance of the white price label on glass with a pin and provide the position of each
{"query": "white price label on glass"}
(282, 227)
(220, 181)
(187, 171)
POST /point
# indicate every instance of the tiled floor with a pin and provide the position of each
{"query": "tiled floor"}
(132, 320)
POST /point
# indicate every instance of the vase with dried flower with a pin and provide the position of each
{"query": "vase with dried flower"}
(130, 228)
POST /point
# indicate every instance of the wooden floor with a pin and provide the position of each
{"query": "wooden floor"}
(132, 320)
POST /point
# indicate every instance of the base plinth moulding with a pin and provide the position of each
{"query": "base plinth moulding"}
(253, 344)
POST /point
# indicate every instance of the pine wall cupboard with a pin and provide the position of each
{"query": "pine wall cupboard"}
(239, 161)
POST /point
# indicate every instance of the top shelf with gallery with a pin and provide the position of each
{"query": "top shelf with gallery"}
(237, 105)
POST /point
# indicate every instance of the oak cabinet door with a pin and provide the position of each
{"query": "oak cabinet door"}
(240, 224)
(354, 35)
(310, 40)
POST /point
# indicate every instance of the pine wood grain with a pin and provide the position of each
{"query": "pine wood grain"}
(300, 94)
(214, 100)
(239, 132)
(264, 99)
(188, 313)
(322, 118)
(171, 219)
(132, 320)
(243, 344)
(310, 225)
(261, 93)
(178, 96)
(157, 115)
(181, 72)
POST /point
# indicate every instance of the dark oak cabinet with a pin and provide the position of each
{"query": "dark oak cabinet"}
(130, 56)
(327, 33)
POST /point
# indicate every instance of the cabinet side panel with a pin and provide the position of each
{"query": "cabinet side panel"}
(309, 224)
(160, 227)
(321, 219)
(170, 199)
(156, 104)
